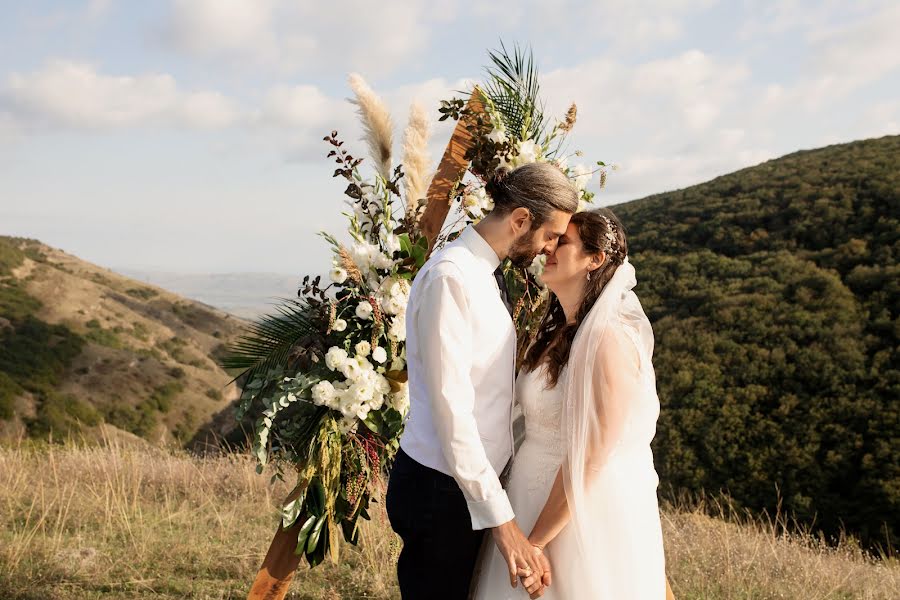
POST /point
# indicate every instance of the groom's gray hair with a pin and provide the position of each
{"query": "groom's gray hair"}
(540, 187)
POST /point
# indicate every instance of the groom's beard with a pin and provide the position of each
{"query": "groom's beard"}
(524, 251)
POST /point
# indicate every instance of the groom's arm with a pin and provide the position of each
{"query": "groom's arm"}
(444, 330)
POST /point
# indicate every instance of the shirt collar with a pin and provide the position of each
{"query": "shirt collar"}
(472, 240)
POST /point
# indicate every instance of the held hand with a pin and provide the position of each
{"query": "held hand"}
(518, 552)
(533, 584)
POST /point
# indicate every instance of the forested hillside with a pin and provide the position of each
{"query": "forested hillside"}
(774, 293)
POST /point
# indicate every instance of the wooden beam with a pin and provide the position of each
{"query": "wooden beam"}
(451, 169)
(277, 571)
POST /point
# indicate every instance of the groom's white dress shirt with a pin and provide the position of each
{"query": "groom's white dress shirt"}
(461, 352)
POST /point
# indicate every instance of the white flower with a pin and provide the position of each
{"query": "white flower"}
(382, 261)
(323, 393)
(377, 402)
(338, 275)
(393, 294)
(360, 393)
(382, 385)
(391, 242)
(497, 135)
(335, 358)
(339, 325)
(528, 153)
(583, 205)
(346, 425)
(582, 175)
(397, 330)
(351, 370)
(400, 400)
(364, 310)
(397, 364)
(537, 267)
(363, 348)
(363, 255)
(379, 354)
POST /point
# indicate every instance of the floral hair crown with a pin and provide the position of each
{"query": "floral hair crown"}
(612, 237)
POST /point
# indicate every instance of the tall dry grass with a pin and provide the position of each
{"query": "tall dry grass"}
(137, 522)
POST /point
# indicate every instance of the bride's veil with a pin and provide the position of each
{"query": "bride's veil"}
(609, 378)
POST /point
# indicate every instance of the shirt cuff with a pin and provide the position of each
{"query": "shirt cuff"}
(492, 512)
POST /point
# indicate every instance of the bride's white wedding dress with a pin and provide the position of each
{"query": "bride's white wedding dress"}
(612, 548)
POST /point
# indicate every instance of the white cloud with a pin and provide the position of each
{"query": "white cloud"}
(285, 36)
(74, 95)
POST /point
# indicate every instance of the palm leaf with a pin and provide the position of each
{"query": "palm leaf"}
(512, 85)
(269, 341)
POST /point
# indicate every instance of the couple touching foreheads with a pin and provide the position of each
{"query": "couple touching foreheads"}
(578, 518)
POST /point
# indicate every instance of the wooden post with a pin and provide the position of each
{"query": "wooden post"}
(451, 169)
(274, 577)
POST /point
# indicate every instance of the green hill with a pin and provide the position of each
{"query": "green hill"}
(84, 351)
(775, 293)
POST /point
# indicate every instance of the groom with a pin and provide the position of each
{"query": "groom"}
(444, 490)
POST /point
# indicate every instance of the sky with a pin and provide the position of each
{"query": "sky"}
(186, 135)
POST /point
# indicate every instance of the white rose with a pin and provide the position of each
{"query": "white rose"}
(363, 348)
(377, 402)
(360, 393)
(322, 393)
(338, 275)
(582, 175)
(379, 354)
(335, 358)
(339, 325)
(395, 305)
(351, 370)
(382, 385)
(364, 310)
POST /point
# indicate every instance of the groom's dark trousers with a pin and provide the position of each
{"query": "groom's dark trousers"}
(429, 512)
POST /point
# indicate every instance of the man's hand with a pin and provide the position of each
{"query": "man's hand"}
(533, 584)
(521, 557)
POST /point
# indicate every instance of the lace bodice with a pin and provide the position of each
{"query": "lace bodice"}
(543, 449)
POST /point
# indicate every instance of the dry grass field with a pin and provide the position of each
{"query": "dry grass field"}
(117, 521)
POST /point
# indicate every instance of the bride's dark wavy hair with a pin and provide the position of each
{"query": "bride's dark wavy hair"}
(554, 339)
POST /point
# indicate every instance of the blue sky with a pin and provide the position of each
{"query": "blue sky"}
(186, 135)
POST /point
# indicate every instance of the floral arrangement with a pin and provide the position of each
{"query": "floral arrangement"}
(325, 377)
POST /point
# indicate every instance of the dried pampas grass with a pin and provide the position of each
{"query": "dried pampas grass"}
(377, 123)
(416, 161)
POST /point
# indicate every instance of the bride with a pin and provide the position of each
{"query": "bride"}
(583, 481)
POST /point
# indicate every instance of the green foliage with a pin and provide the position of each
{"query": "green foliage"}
(161, 398)
(9, 389)
(142, 293)
(35, 355)
(60, 415)
(10, 255)
(512, 86)
(15, 303)
(775, 294)
(103, 337)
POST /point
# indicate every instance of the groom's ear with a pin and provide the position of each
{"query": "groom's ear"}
(520, 219)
